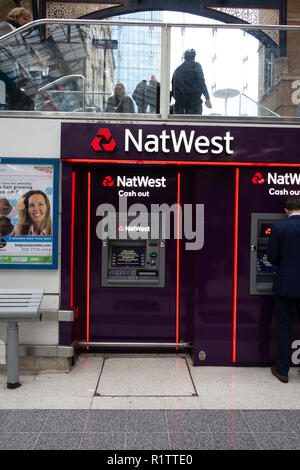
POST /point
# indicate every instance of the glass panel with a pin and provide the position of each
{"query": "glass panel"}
(213, 73)
(248, 73)
(92, 68)
(115, 68)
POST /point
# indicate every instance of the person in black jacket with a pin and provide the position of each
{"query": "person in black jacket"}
(284, 252)
(188, 85)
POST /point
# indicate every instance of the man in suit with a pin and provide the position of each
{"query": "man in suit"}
(284, 252)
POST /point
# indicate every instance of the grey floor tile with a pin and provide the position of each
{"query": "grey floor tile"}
(235, 441)
(25, 421)
(103, 441)
(292, 417)
(187, 421)
(265, 421)
(147, 441)
(278, 441)
(231, 421)
(3, 416)
(191, 441)
(66, 421)
(17, 440)
(58, 441)
(146, 421)
(106, 421)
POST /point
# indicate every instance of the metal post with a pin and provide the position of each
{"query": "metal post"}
(165, 72)
(13, 355)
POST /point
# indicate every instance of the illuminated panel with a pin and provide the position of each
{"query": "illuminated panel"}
(235, 260)
(179, 162)
(178, 259)
(72, 239)
(88, 260)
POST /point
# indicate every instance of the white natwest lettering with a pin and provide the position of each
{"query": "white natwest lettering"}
(287, 178)
(141, 181)
(178, 143)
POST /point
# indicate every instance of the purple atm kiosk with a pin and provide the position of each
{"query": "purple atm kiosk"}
(164, 236)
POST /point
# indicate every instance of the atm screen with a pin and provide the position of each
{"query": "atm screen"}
(127, 256)
(265, 230)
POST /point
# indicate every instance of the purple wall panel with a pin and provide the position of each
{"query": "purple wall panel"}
(206, 276)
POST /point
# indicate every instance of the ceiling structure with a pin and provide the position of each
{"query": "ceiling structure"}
(233, 11)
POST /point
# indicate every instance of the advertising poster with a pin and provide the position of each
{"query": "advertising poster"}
(28, 214)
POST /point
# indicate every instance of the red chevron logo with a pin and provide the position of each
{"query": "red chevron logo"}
(108, 181)
(104, 141)
(258, 179)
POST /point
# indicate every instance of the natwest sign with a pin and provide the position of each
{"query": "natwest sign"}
(166, 142)
(172, 142)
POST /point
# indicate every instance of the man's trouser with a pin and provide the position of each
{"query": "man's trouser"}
(188, 104)
(285, 308)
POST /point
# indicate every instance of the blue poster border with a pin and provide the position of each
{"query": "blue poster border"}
(56, 166)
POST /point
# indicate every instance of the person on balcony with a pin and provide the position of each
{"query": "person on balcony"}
(119, 102)
(152, 95)
(139, 96)
(188, 86)
(16, 17)
(12, 73)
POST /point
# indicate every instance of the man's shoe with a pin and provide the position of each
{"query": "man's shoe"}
(282, 378)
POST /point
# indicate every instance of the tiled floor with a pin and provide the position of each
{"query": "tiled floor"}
(150, 402)
(149, 429)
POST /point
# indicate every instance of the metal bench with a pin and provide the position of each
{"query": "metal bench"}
(17, 305)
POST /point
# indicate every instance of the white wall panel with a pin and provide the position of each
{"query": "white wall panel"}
(30, 138)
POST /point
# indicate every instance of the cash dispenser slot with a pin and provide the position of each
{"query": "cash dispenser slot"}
(261, 270)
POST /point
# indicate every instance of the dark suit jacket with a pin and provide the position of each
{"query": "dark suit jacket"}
(284, 252)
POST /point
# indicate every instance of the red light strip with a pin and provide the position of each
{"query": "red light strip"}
(88, 260)
(235, 259)
(72, 240)
(180, 162)
(178, 259)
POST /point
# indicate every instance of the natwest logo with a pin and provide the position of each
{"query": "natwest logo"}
(103, 141)
(258, 179)
(285, 179)
(133, 228)
(175, 141)
(136, 182)
(141, 181)
(108, 181)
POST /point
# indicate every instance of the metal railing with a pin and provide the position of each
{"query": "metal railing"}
(260, 106)
(50, 85)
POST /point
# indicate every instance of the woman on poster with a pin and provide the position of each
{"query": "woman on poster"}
(35, 215)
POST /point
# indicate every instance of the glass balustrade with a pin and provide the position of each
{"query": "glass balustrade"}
(122, 67)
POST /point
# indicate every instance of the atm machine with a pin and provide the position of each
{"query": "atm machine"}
(261, 270)
(139, 262)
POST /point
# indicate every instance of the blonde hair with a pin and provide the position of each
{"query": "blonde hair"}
(16, 13)
(119, 84)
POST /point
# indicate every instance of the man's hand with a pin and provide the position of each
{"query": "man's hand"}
(208, 104)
